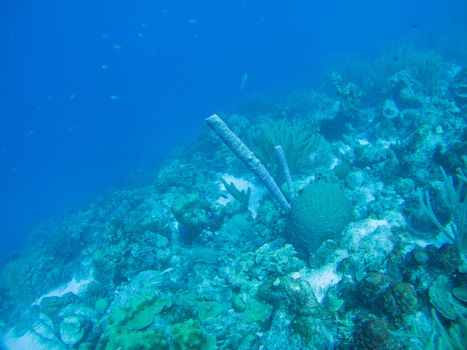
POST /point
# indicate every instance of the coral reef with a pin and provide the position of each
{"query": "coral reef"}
(372, 254)
(459, 89)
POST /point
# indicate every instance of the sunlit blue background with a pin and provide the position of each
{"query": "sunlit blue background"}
(93, 91)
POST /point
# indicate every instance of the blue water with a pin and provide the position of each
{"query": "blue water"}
(92, 92)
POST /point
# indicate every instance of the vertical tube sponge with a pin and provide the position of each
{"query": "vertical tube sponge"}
(285, 169)
(248, 157)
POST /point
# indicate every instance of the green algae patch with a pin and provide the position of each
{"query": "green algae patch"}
(151, 278)
(189, 335)
(129, 327)
(257, 311)
(181, 205)
(208, 309)
(238, 302)
(149, 339)
(140, 313)
(254, 310)
(101, 305)
(186, 298)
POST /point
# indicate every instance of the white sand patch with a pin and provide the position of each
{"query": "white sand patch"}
(369, 241)
(33, 340)
(74, 286)
(334, 162)
(344, 149)
(320, 280)
(361, 229)
(28, 341)
(302, 183)
(367, 193)
(363, 142)
(385, 144)
(395, 219)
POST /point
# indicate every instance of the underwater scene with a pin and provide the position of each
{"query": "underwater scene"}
(233, 175)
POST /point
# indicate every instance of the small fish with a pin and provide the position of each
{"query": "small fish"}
(104, 66)
(72, 96)
(414, 25)
(396, 58)
(114, 97)
(117, 47)
(31, 132)
(244, 80)
(192, 21)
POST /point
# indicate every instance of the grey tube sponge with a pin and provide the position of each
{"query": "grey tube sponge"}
(285, 169)
(248, 157)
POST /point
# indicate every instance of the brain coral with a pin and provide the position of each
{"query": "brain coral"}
(321, 212)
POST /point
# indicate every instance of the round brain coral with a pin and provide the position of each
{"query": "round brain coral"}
(321, 212)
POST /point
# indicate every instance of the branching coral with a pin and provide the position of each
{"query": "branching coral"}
(454, 200)
(425, 67)
(453, 338)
